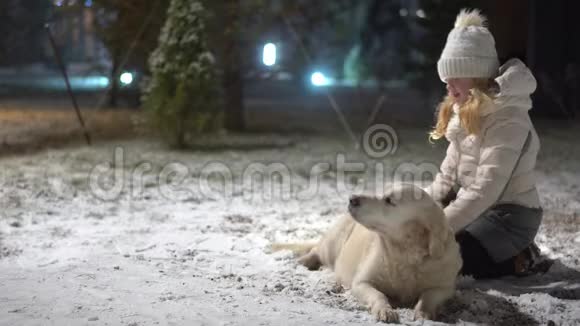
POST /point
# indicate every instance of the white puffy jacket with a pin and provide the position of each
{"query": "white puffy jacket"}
(481, 165)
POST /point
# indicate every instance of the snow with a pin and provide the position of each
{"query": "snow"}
(161, 252)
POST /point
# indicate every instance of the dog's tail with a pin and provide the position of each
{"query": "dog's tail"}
(298, 249)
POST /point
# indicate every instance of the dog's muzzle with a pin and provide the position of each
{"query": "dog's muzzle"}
(354, 201)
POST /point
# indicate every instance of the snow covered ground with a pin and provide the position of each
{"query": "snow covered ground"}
(131, 233)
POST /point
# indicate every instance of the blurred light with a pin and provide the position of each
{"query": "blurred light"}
(269, 54)
(318, 79)
(421, 13)
(126, 78)
(89, 82)
(88, 3)
(403, 12)
(59, 3)
(102, 81)
(284, 76)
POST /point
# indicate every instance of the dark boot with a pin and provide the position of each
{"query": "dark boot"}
(530, 261)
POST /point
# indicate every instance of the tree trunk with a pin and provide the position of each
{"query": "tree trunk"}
(114, 91)
(180, 135)
(232, 82)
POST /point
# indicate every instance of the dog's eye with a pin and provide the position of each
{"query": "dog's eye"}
(388, 201)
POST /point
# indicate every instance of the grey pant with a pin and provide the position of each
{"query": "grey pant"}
(506, 229)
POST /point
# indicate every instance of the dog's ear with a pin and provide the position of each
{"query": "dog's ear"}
(438, 237)
(418, 232)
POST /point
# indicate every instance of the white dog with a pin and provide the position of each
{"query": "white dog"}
(401, 252)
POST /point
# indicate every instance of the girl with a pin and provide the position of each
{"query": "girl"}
(492, 151)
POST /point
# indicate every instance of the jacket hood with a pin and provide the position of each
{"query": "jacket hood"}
(516, 84)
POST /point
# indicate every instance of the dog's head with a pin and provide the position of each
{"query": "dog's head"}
(404, 208)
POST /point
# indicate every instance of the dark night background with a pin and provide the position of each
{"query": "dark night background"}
(395, 43)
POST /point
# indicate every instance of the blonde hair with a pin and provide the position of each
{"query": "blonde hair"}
(469, 112)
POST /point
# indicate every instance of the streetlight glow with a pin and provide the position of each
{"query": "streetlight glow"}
(269, 54)
(126, 78)
(318, 79)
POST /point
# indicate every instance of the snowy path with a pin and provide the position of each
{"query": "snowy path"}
(163, 254)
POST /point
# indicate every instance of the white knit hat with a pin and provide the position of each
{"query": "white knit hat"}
(470, 49)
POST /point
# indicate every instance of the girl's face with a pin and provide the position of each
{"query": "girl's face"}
(458, 88)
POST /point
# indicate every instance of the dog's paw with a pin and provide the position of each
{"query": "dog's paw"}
(385, 313)
(423, 315)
